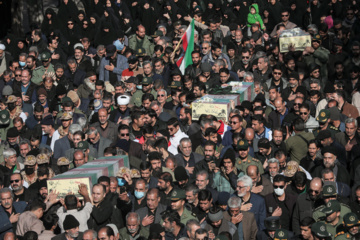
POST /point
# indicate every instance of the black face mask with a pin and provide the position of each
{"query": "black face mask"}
(29, 170)
(11, 106)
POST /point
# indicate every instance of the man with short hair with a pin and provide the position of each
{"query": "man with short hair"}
(175, 135)
(306, 203)
(106, 233)
(106, 128)
(9, 211)
(30, 220)
(70, 208)
(261, 185)
(333, 218)
(112, 66)
(174, 229)
(243, 220)
(101, 212)
(178, 204)
(152, 212)
(280, 203)
(98, 142)
(133, 228)
(251, 201)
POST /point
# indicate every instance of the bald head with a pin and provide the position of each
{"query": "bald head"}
(9, 236)
(315, 188)
(280, 105)
(249, 134)
(252, 170)
(79, 158)
(102, 111)
(316, 182)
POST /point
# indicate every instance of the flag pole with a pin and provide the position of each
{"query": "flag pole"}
(177, 46)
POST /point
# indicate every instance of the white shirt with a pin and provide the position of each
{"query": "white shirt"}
(82, 216)
(175, 141)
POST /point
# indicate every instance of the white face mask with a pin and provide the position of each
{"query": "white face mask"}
(278, 191)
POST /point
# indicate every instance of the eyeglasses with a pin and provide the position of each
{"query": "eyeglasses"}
(316, 192)
(171, 129)
(85, 24)
(277, 73)
(281, 187)
(349, 14)
(297, 104)
(245, 57)
(12, 181)
(70, 23)
(92, 138)
(125, 134)
(17, 75)
(285, 15)
(303, 113)
(231, 122)
(161, 95)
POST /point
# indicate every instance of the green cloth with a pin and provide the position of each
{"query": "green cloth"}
(254, 18)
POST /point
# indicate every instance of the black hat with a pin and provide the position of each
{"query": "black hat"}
(323, 134)
(338, 42)
(156, 227)
(110, 50)
(48, 120)
(180, 174)
(70, 222)
(42, 183)
(12, 132)
(329, 149)
(272, 223)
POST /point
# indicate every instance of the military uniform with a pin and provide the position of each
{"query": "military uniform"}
(42, 158)
(243, 164)
(30, 160)
(177, 195)
(350, 220)
(136, 97)
(319, 230)
(329, 191)
(323, 117)
(5, 124)
(331, 207)
(38, 73)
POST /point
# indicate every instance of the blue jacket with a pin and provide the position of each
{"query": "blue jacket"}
(121, 65)
(5, 224)
(259, 209)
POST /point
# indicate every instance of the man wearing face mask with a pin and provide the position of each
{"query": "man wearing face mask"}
(279, 203)
(15, 111)
(29, 173)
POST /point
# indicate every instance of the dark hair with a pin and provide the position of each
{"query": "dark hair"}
(144, 166)
(307, 222)
(49, 221)
(103, 179)
(154, 156)
(70, 202)
(161, 143)
(299, 178)
(279, 178)
(258, 118)
(173, 122)
(36, 204)
(109, 231)
(210, 143)
(204, 195)
(30, 235)
(147, 96)
(305, 105)
(136, 115)
(123, 127)
(42, 171)
(171, 216)
(38, 108)
(299, 124)
(167, 177)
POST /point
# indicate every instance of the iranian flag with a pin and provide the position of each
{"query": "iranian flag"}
(187, 41)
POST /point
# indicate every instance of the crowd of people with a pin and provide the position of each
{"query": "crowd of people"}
(85, 79)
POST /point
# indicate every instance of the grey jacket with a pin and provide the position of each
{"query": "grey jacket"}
(121, 65)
